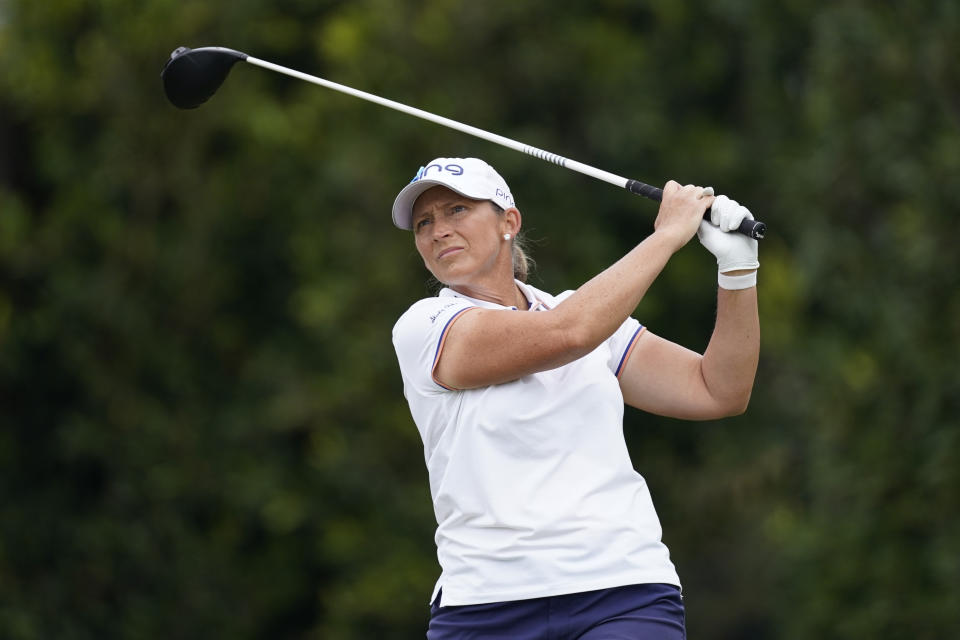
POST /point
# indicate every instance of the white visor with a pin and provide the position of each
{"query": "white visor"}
(470, 177)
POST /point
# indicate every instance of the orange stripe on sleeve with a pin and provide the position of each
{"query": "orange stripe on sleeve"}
(440, 343)
(629, 351)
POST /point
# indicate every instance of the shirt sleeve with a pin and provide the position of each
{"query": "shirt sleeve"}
(621, 344)
(622, 341)
(418, 339)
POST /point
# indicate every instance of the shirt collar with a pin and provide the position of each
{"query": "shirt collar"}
(536, 299)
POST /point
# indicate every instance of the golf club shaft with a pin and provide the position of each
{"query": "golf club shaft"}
(752, 228)
(447, 122)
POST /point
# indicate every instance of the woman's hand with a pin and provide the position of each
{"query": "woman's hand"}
(681, 211)
(734, 251)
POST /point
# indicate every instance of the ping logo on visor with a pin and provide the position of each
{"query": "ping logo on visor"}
(470, 177)
(453, 169)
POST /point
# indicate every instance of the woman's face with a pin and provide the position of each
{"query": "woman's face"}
(460, 239)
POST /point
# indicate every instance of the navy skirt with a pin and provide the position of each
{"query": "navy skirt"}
(636, 612)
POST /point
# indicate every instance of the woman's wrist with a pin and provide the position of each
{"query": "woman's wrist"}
(737, 279)
(670, 238)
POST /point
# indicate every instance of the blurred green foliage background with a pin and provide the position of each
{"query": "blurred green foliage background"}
(202, 429)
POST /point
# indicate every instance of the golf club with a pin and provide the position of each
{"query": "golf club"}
(191, 76)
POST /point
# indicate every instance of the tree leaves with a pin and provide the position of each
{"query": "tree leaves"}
(203, 425)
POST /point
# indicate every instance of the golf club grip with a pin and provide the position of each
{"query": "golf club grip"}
(750, 228)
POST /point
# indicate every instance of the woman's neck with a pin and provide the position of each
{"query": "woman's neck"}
(505, 294)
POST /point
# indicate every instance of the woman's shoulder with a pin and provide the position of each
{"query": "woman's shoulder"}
(560, 297)
(427, 311)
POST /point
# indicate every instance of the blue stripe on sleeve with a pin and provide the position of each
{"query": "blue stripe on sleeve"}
(627, 351)
(443, 335)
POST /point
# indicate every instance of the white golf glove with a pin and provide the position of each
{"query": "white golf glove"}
(732, 250)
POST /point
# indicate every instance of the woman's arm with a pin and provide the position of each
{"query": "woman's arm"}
(661, 377)
(484, 346)
(666, 379)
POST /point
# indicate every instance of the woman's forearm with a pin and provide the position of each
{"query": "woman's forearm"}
(601, 305)
(729, 363)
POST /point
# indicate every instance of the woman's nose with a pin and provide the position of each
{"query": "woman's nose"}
(441, 229)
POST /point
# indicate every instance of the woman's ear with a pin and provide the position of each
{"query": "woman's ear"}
(512, 221)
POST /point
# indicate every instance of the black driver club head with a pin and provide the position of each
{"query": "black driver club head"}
(191, 76)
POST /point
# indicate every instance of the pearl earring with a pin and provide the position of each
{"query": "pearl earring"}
(507, 236)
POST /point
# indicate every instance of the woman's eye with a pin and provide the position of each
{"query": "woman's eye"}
(422, 223)
(457, 208)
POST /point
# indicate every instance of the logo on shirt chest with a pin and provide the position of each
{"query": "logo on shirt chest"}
(434, 317)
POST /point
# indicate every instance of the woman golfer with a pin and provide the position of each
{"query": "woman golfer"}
(544, 529)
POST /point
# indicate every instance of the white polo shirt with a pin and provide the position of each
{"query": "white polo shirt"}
(533, 488)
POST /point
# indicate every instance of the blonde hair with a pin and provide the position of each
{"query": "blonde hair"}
(522, 262)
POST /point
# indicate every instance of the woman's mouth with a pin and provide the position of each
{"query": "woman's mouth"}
(448, 251)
